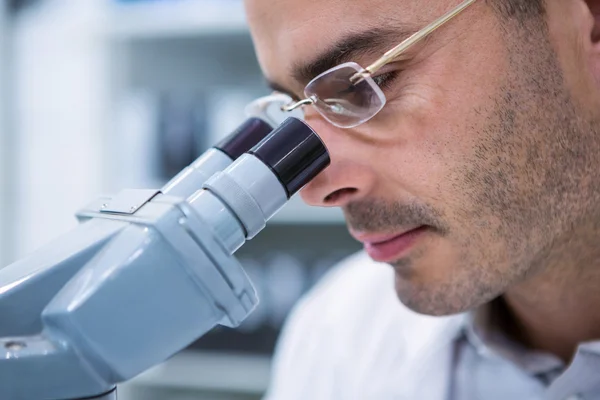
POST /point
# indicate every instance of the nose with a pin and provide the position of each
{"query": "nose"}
(348, 178)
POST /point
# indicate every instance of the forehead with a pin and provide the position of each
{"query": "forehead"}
(290, 32)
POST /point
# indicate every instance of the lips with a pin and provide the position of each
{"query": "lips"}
(390, 247)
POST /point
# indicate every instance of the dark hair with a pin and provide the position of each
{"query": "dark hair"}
(520, 10)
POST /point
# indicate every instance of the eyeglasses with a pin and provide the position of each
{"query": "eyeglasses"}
(347, 95)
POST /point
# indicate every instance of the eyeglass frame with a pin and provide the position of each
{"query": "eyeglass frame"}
(389, 56)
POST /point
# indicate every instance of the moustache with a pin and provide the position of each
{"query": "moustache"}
(382, 216)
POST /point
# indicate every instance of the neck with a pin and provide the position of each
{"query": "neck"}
(559, 308)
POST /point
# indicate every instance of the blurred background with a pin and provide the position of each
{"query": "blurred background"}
(99, 95)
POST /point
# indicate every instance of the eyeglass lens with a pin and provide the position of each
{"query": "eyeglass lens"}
(342, 102)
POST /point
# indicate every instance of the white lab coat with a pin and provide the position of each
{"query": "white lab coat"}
(351, 338)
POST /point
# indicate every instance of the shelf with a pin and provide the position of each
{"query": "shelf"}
(175, 18)
(297, 213)
(209, 371)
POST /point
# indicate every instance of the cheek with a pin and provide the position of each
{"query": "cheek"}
(421, 147)
(441, 127)
(429, 128)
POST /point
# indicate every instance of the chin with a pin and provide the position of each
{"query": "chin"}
(436, 299)
(440, 280)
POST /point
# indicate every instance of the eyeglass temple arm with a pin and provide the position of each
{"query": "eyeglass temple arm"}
(415, 38)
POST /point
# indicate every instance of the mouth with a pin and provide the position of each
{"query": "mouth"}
(390, 247)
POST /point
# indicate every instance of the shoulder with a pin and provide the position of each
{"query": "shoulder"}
(354, 289)
(351, 329)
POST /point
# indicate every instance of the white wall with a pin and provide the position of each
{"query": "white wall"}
(6, 192)
(59, 65)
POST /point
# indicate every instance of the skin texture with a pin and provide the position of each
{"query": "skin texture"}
(490, 137)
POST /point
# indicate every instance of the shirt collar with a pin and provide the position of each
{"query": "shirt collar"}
(483, 332)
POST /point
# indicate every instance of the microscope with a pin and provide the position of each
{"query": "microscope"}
(147, 272)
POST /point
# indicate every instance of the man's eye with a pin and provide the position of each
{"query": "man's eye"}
(385, 80)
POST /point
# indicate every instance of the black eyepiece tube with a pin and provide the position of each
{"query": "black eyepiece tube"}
(247, 135)
(294, 152)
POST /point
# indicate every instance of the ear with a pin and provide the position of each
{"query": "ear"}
(594, 9)
(588, 18)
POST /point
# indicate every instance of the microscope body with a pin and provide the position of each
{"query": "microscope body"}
(145, 274)
(77, 320)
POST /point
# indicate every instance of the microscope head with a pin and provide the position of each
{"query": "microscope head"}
(164, 278)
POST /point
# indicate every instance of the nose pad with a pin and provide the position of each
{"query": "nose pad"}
(270, 109)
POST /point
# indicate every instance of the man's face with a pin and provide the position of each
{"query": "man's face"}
(480, 153)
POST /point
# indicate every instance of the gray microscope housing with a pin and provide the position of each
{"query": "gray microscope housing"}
(147, 272)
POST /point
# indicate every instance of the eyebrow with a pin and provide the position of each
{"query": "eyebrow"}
(351, 47)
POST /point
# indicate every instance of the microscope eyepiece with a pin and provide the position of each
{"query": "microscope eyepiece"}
(246, 136)
(217, 158)
(294, 152)
(261, 181)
